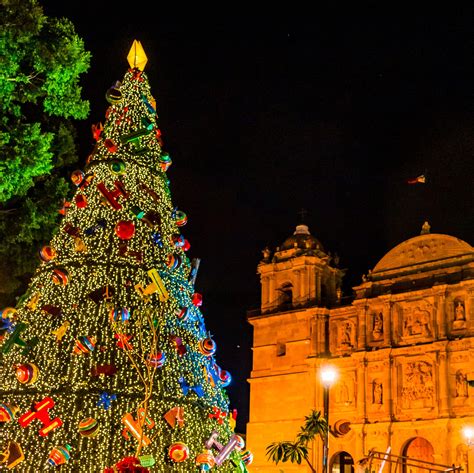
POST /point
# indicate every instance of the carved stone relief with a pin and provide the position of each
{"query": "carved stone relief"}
(422, 249)
(346, 334)
(418, 385)
(416, 322)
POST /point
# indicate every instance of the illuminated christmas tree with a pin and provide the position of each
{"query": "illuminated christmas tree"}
(106, 361)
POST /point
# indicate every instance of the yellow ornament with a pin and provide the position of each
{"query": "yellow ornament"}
(61, 331)
(33, 302)
(136, 56)
(79, 245)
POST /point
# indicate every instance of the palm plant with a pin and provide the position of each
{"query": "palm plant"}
(297, 451)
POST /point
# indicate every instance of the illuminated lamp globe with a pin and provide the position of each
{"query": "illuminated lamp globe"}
(468, 433)
(328, 375)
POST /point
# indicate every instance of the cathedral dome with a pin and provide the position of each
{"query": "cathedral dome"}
(427, 249)
(302, 239)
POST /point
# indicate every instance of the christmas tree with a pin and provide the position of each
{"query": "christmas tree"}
(106, 361)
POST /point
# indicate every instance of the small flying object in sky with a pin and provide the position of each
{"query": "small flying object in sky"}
(421, 179)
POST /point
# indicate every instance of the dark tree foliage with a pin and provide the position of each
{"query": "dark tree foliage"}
(41, 60)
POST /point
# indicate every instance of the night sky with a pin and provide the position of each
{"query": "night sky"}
(263, 115)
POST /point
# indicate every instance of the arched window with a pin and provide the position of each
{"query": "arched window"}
(342, 462)
(285, 299)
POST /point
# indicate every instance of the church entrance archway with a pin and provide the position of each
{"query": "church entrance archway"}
(418, 449)
(342, 462)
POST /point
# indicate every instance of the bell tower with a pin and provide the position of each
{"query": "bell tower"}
(300, 283)
(299, 273)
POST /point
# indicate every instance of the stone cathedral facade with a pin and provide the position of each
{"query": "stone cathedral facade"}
(403, 349)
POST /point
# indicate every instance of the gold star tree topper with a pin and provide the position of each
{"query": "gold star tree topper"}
(136, 56)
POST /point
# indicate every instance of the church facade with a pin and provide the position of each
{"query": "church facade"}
(403, 350)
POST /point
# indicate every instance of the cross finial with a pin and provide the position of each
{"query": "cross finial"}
(302, 213)
(425, 228)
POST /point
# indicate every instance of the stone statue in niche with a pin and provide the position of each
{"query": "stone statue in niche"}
(459, 315)
(346, 334)
(461, 455)
(343, 395)
(417, 323)
(377, 392)
(377, 326)
(461, 384)
(418, 385)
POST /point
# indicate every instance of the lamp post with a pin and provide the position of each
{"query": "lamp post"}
(328, 376)
(468, 435)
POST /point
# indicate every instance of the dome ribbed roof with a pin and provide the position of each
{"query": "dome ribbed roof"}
(423, 249)
(303, 239)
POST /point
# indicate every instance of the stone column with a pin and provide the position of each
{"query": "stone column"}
(271, 291)
(469, 308)
(297, 295)
(264, 288)
(318, 285)
(443, 384)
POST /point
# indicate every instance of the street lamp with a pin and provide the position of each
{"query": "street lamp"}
(328, 375)
(468, 435)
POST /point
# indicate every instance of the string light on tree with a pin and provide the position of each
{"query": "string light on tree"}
(113, 365)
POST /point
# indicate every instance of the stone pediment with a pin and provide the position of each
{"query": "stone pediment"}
(425, 252)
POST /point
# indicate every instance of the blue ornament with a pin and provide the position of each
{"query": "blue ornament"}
(105, 400)
(186, 388)
(6, 325)
(156, 237)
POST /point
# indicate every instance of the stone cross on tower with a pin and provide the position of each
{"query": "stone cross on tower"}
(302, 213)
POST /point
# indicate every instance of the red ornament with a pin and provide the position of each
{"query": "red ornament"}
(97, 130)
(110, 145)
(26, 373)
(40, 411)
(47, 253)
(217, 414)
(197, 299)
(81, 201)
(178, 452)
(77, 177)
(60, 277)
(63, 209)
(127, 465)
(124, 341)
(125, 229)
